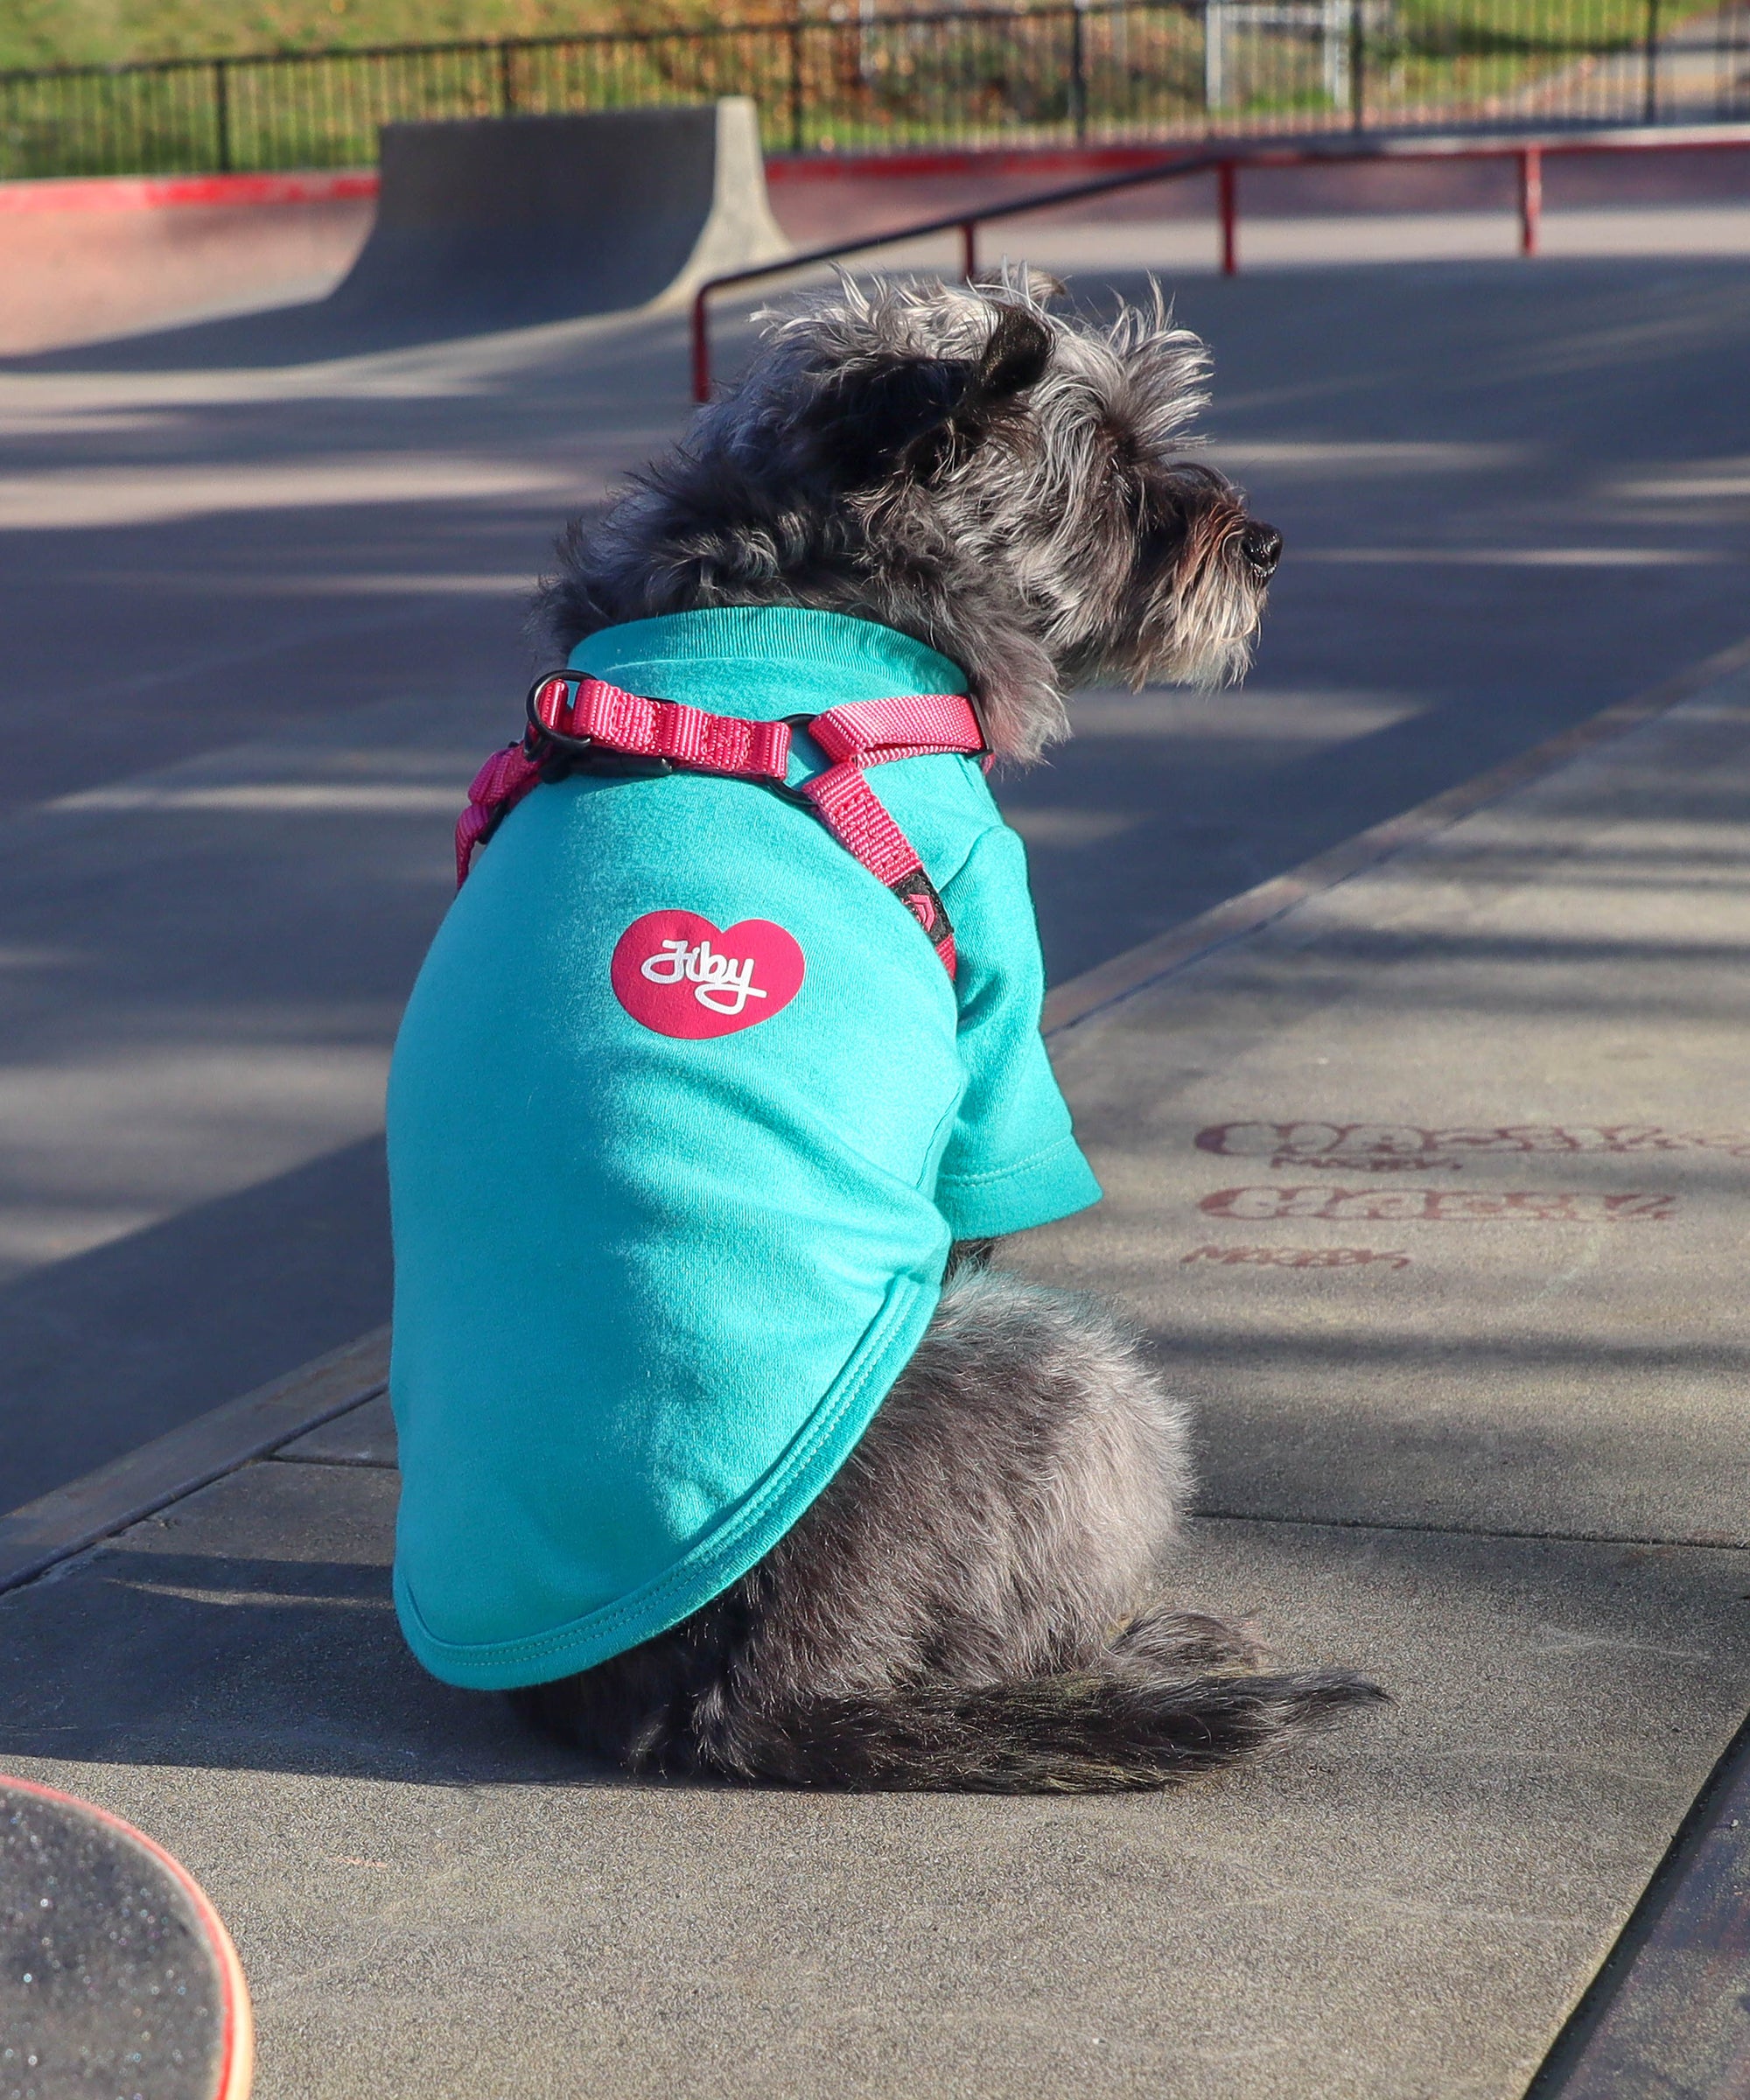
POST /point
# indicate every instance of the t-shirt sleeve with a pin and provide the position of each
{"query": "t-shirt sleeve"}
(1011, 1160)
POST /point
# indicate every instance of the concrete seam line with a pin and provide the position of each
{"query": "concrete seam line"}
(36, 1535)
(1122, 977)
(1432, 1527)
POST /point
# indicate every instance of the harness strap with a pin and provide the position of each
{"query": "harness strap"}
(872, 733)
(498, 786)
(568, 712)
(588, 710)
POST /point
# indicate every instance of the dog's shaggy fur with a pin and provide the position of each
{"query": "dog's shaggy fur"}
(973, 1601)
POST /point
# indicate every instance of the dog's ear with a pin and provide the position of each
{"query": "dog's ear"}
(1015, 357)
(869, 418)
(920, 412)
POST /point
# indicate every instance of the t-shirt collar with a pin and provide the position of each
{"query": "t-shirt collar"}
(764, 661)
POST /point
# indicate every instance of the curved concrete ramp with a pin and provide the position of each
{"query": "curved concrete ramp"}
(496, 223)
(543, 218)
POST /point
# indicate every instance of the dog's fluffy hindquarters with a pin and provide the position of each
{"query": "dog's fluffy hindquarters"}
(971, 1605)
(624, 1237)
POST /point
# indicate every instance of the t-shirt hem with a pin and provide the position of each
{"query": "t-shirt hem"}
(725, 1554)
(1054, 1184)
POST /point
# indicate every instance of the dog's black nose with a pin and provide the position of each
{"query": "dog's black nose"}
(1262, 546)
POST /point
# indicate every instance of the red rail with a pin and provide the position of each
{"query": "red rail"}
(1225, 161)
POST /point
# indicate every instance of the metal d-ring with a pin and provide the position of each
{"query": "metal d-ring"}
(537, 729)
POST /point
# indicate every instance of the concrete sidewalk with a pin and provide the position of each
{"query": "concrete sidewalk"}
(1431, 1195)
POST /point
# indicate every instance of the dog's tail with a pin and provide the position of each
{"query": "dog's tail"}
(1079, 1733)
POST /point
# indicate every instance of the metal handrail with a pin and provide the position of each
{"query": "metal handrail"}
(967, 222)
(1226, 161)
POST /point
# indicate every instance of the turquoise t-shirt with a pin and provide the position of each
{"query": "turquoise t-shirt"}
(684, 1116)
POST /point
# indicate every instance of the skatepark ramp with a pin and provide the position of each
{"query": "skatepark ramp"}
(505, 221)
(494, 223)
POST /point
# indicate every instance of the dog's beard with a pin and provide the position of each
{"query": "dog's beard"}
(1210, 619)
(1189, 616)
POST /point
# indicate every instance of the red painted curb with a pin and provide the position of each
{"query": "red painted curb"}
(157, 192)
(988, 160)
(161, 193)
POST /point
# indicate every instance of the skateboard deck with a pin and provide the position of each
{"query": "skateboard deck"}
(117, 1976)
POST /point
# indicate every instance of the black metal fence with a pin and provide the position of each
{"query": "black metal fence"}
(1113, 71)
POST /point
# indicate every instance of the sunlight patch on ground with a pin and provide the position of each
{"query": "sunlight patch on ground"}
(1063, 826)
(102, 1144)
(80, 498)
(1696, 481)
(1352, 459)
(1261, 713)
(330, 583)
(1528, 558)
(284, 798)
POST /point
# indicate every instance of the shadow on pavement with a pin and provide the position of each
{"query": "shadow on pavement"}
(256, 1282)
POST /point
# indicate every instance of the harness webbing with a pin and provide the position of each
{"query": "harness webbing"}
(571, 714)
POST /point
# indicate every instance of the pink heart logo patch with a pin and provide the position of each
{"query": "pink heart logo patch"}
(676, 973)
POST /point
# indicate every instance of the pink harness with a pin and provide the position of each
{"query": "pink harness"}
(574, 718)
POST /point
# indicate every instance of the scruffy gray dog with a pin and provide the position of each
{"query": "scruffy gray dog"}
(974, 1602)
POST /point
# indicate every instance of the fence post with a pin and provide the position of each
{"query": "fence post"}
(1357, 65)
(1650, 110)
(795, 83)
(969, 249)
(1214, 55)
(1078, 71)
(507, 81)
(222, 112)
(1228, 197)
(1530, 198)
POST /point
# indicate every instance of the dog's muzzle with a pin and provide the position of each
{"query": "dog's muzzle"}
(1261, 550)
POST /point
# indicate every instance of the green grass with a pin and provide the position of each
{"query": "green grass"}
(1425, 62)
(115, 32)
